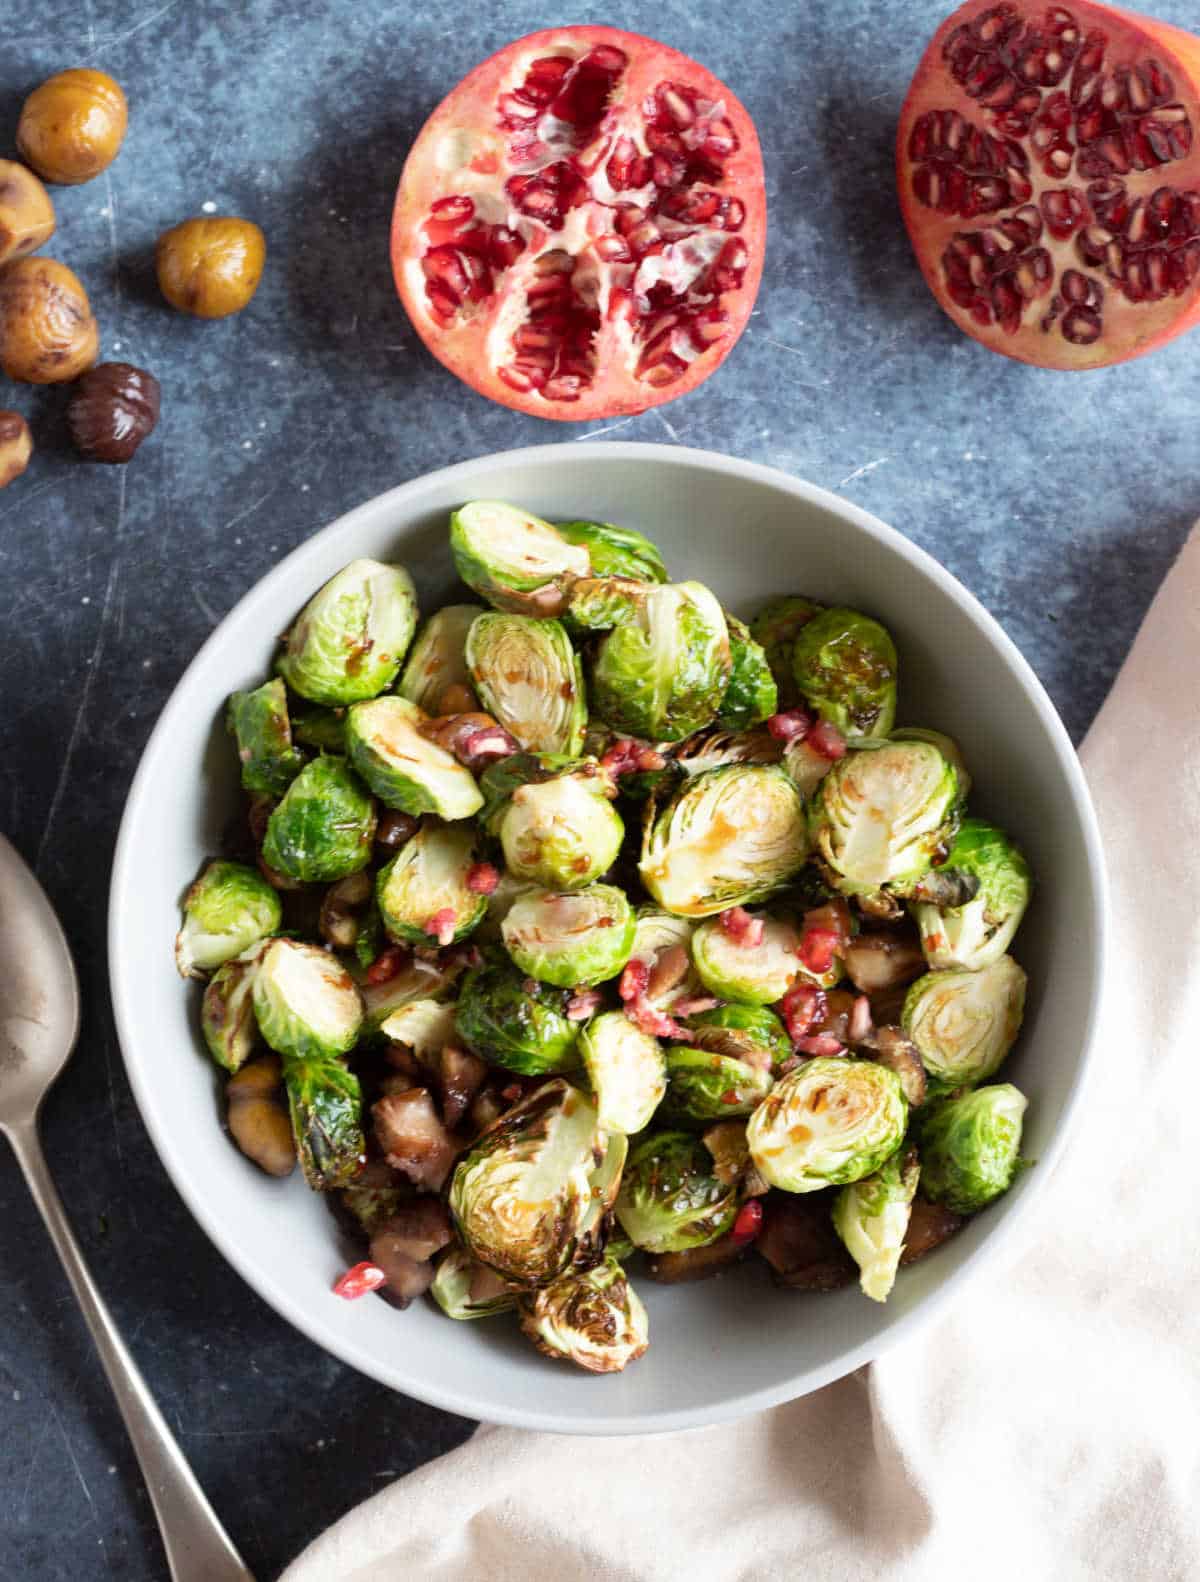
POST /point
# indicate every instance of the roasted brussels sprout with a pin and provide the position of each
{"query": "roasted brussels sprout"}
(970, 1147)
(229, 908)
(514, 1021)
(424, 1026)
(881, 815)
(415, 980)
(616, 551)
(871, 1216)
(437, 660)
(323, 828)
(663, 942)
(715, 749)
(529, 679)
(751, 695)
(348, 641)
(733, 969)
(964, 1023)
(514, 560)
(832, 1121)
(325, 1102)
(670, 1200)
(946, 745)
(423, 894)
(725, 838)
(576, 937)
(703, 1085)
(597, 604)
(500, 903)
(465, 1289)
(562, 832)
(594, 1319)
(259, 722)
(626, 1069)
(662, 674)
(749, 1033)
(306, 1003)
(979, 932)
(227, 1010)
(775, 629)
(845, 669)
(404, 768)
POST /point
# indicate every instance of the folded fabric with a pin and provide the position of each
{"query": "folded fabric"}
(1049, 1427)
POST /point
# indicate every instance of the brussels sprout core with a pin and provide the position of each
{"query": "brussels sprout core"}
(229, 908)
(349, 639)
(562, 833)
(754, 974)
(573, 937)
(830, 1122)
(529, 679)
(979, 932)
(423, 894)
(970, 1147)
(626, 1069)
(670, 1200)
(964, 1023)
(595, 1319)
(662, 674)
(513, 559)
(404, 768)
(871, 1216)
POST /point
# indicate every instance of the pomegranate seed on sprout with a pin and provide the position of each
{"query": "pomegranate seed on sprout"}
(442, 924)
(817, 949)
(741, 927)
(483, 878)
(801, 1006)
(827, 740)
(748, 1223)
(791, 726)
(358, 1281)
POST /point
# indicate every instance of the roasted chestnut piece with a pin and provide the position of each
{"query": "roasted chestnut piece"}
(16, 446)
(47, 332)
(258, 1117)
(111, 411)
(26, 213)
(210, 267)
(73, 125)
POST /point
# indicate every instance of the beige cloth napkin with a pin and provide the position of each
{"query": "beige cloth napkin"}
(1049, 1428)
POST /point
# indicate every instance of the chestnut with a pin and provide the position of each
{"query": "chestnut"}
(111, 411)
(73, 125)
(210, 267)
(16, 446)
(26, 213)
(47, 332)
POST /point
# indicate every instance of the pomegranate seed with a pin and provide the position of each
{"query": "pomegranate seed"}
(827, 740)
(801, 1006)
(657, 1023)
(634, 980)
(356, 1282)
(442, 924)
(817, 949)
(483, 878)
(387, 964)
(741, 927)
(748, 1223)
(790, 726)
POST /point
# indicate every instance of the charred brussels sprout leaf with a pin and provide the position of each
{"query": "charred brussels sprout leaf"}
(670, 1200)
(751, 695)
(514, 1021)
(438, 660)
(306, 1003)
(561, 832)
(423, 894)
(405, 769)
(871, 1216)
(757, 974)
(594, 1319)
(830, 1122)
(775, 628)
(970, 1147)
(750, 1033)
(616, 551)
(703, 1085)
(626, 1069)
(229, 908)
(348, 641)
(979, 932)
(577, 937)
(324, 826)
(227, 1010)
(259, 722)
(464, 1288)
(513, 559)
(325, 1102)
(964, 1023)
(529, 679)
(662, 674)
(845, 669)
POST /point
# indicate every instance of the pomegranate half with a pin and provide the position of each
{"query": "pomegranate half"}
(1049, 168)
(579, 227)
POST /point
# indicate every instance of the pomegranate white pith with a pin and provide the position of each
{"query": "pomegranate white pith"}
(1049, 170)
(579, 227)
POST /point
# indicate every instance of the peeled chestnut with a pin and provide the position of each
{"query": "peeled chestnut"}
(26, 213)
(47, 332)
(16, 446)
(112, 409)
(210, 267)
(73, 125)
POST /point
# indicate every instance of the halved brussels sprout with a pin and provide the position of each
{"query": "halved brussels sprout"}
(422, 893)
(662, 674)
(714, 749)
(564, 832)
(530, 680)
(513, 559)
(964, 1023)
(616, 551)
(845, 669)
(571, 938)
(229, 908)
(970, 1147)
(775, 628)
(500, 903)
(325, 1102)
(750, 1033)
(605, 1184)
(425, 1026)
(324, 827)
(306, 1003)
(670, 1200)
(324, 729)
(881, 815)
(703, 1085)
(259, 722)
(627, 1071)
(227, 1010)
(752, 974)
(404, 768)
(978, 933)
(513, 1021)
(438, 660)
(871, 1216)
(417, 980)
(725, 838)
(832, 1121)
(348, 641)
(946, 745)
(464, 1288)
(660, 937)
(520, 1197)
(594, 1319)
(751, 695)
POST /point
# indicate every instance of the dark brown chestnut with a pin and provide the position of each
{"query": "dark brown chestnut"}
(112, 410)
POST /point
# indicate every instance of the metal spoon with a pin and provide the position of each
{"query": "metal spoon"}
(39, 1021)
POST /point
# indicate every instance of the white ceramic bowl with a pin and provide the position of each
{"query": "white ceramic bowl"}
(731, 1345)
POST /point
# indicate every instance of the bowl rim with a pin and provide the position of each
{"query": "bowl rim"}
(434, 1392)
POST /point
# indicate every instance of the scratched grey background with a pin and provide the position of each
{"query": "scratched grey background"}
(1060, 500)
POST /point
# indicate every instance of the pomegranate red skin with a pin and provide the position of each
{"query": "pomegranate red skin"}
(1131, 329)
(470, 109)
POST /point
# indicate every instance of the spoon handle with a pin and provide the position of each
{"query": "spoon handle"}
(198, 1548)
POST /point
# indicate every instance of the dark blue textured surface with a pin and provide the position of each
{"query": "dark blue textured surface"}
(1059, 500)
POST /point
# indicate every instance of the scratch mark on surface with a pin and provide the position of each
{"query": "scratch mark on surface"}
(595, 433)
(670, 428)
(249, 511)
(861, 472)
(33, 1460)
(112, 1106)
(114, 255)
(120, 38)
(205, 606)
(796, 351)
(26, 498)
(71, 1452)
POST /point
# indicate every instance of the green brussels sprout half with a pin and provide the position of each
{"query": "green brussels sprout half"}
(501, 780)
(402, 767)
(594, 1319)
(775, 629)
(752, 974)
(663, 673)
(670, 1200)
(564, 832)
(306, 1003)
(726, 838)
(750, 1033)
(324, 827)
(515, 1022)
(751, 696)
(466, 1289)
(425, 1026)
(970, 1147)
(325, 1102)
(530, 680)
(881, 815)
(964, 1023)
(259, 722)
(831, 1121)
(438, 658)
(576, 937)
(626, 1069)
(229, 908)
(845, 669)
(871, 1216)
(703, 1085)
(324, 729)
(522, 1195)
(655, 934)
(978, 933)
(513, 559)
(422, 893)
(227, 1010)
(616, 551)
(946, 745)
(418, 980)
(350, 638)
